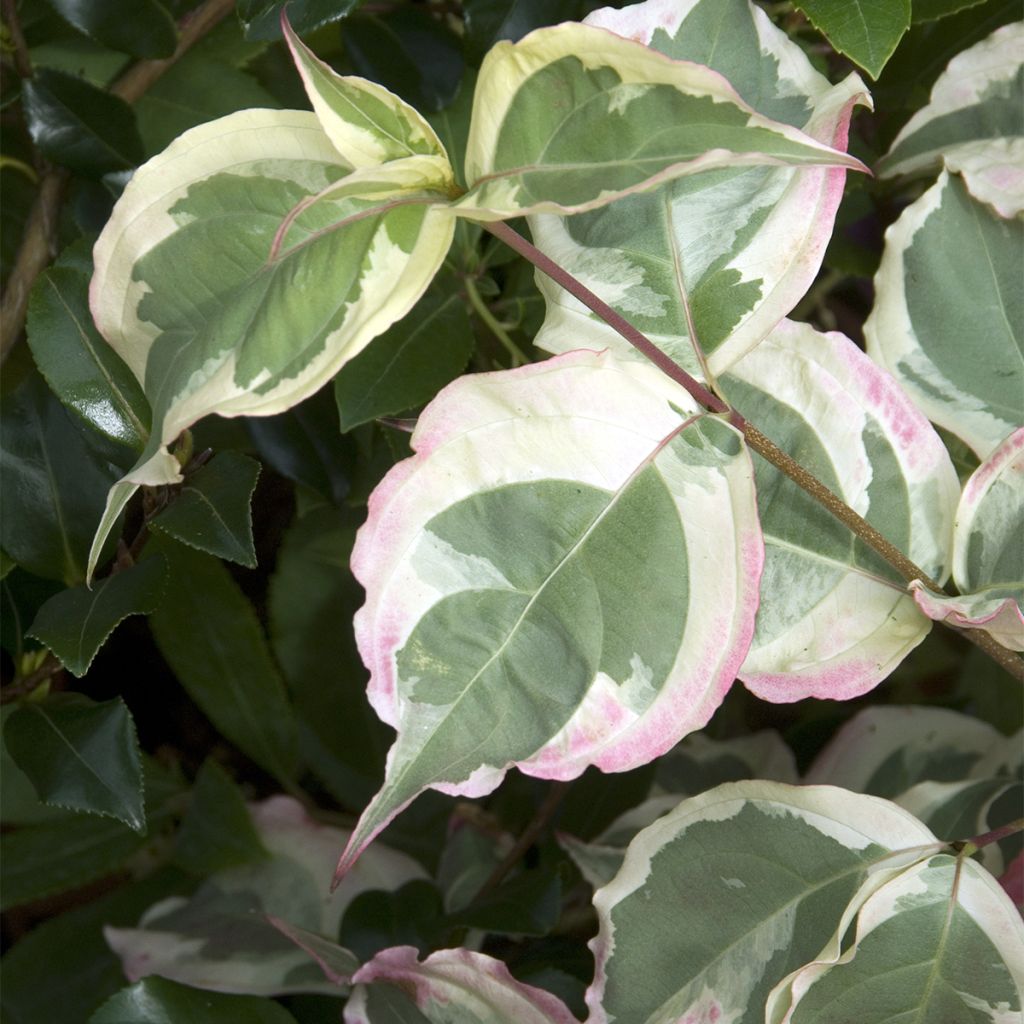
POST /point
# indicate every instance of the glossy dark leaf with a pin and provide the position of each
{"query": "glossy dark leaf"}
(89, 971)
(217, 831)
(312, 599)
(85, 373)
(410, 916)
(143, 28)
(198, 88)
(303, 445)
(528, 904)
(21, 597)
(261, 19)
(71, 849)
(410, 52)
(488, 21)
(80, 127)
(212, 511)
(75, 623)
(932, 10)
(53, 486)
(80, 755)
(409, 363)
(209, 634)
(159, 1001)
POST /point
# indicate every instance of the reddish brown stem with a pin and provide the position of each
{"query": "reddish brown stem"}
(761, 444)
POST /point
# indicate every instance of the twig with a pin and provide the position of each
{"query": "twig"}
(20, 687)
(37, 249)
(766, 448)
(22, 60)
(480, 307)
(529, 834)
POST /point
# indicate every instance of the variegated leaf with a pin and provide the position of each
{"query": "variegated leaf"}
(886, 750)
(988, 550)
(244, 265)
(941, 942)
(974, 123)
(706, 266)
(970, 808)
(565, 574)
(451, 985)
(220, 937)
(720, 899)
(572, 117)
(948, 321)
(834, 618)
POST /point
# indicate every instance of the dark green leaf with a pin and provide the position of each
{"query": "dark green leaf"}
(312, 599)
(197, 89)
(142, 28)
(388, 1004)
(262, 18)
(595, 799)
(529, 904)
(80, 755)
(410, 52)
(208, 633)
(412, 915)
(21, 597)
(52, 485)
(159, 1001)
(488, 21)
(932, 10)
(72, 849)
(212, 511)
(217, 831)
(409, 363)
(76, 623)
(78, 126)
(85, 373)
(6, 564)
(19, 803)
(89, 971)
(865, 30)
(303, 444)
(337, 963)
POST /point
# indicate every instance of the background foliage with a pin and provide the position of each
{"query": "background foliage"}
(149, 767)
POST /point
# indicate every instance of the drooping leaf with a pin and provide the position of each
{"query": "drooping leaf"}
(220, 938)
(948, 321)
(411, 52)
(311, 601)
(212, 512)
(988, 550)
(159, 1001)
(564, 121)
(866, 31)
(230, 281)
(834, 618)
(208, 633)
(478, 988)
(76, 623)
(940, 942)
(886, 750)
(261, 19)
(80, 755)
(409, 363)
(217, 831)
(52, 484)
(143, 28)
(508, 553)
(79, 126)
(974, 123)
(720, 899)
(85, 373)
(706, 266)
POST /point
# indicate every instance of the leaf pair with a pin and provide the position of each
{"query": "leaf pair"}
(259, 253)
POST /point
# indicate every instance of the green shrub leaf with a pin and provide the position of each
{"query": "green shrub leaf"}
(867, 32)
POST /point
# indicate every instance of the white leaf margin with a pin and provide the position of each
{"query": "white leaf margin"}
(478, 986)
(839, 391)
